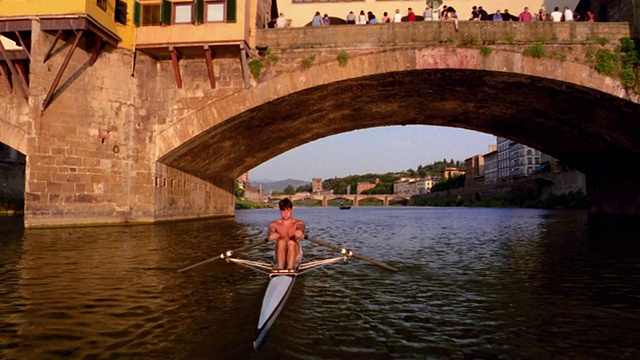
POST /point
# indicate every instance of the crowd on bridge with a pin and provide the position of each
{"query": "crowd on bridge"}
(477, 13)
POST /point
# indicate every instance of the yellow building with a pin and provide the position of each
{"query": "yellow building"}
(162, 29)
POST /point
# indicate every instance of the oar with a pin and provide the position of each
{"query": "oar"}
(337, 248)
(226, 254)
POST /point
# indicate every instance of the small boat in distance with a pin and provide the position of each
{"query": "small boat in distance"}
(344, 207)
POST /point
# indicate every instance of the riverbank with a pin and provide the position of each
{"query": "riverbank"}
(542, 191)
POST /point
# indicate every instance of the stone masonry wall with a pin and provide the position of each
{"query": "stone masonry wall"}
(90, 153)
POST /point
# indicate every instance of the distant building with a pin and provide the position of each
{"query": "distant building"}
(250, 193)
(407, 186)
(422, 186)
(402, 186)
(474, 171)
(476, 168)
(316, 185)
(450, 172)
(515, 159)
(491, 167)
(365, 185)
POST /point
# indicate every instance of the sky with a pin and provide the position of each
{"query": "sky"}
(376, 150)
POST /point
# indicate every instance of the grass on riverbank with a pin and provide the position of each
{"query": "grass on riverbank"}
(247, 204)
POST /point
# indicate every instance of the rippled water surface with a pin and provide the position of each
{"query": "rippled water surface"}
(473, 283)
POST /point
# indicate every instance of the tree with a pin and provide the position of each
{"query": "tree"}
(239, 191)
(289, 190)
(304, 188)
(381, 188)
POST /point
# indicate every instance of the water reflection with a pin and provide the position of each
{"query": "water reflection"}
(507, 283)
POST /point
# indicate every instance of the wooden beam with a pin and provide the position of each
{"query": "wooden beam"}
(7, 78)
(245, 66)
(24, 47)
(96, 50)
(22, 75)
(176, 69)
(13, 70)
(53, 44)
(63, 67)
(209, 54)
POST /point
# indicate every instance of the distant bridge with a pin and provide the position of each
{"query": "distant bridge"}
(353, 199)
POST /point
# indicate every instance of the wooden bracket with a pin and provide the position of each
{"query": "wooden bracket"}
(245, 66)
(175, 55)
(22, 78)
(63, 67)
(22, 43)
(53, 45)
(210, 54)
(96, 50)
(13, 71)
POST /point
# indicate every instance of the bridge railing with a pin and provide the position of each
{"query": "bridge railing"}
(441, 33)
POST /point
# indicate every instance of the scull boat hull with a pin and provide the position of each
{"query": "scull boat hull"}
(274, 299)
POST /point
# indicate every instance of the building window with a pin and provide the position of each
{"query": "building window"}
(102, 4)
(120, 15)
(182, 13)
(214, 12)
(151, 14)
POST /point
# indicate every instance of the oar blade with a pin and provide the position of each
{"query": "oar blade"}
(339, 249)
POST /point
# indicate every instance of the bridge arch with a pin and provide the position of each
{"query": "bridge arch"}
(13, 136)
(538, 102)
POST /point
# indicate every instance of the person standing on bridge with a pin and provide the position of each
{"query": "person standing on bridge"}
(525, 16)
(287, 232)
(385, 18)
(427, 14)
(351, 18)
(567, 14)
(449, 13)
(397, 18)
(411, 16)
(556, 15)
(362, 18)
(317, 20)
(281, 22)
(326, 21)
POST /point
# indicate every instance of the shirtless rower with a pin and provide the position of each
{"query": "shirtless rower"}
(287, 232)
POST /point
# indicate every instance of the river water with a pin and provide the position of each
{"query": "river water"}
(473, 283)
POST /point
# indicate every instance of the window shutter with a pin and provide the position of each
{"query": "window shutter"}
(165, 12)
(137, 13)
(231, 10)
(198, 9)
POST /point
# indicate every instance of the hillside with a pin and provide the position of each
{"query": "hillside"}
(268, 187)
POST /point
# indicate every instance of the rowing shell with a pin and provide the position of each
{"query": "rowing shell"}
(274, 299)
(281, 281)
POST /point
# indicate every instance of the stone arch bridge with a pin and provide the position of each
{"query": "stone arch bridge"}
(354, 199)
(138, 149)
